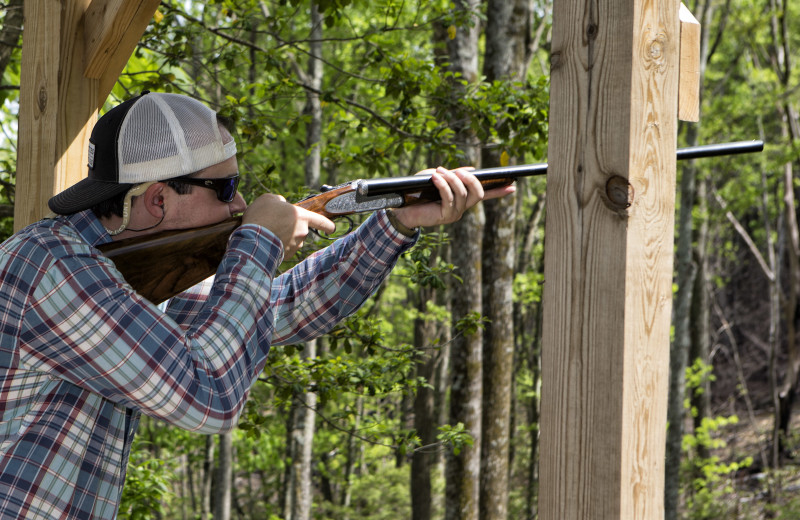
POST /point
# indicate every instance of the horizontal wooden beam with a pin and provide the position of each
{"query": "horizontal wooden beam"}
(113, 29)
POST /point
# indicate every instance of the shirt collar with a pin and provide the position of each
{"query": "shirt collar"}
(89, 227)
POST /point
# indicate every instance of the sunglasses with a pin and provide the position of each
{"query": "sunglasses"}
(225, 188)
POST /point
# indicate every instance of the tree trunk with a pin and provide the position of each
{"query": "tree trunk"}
(425, 421)
(505, 59)
(781, 59)
(699, 316)
(686, 272)
(10, 32)
(353, 456)
(299, 496)
(224, 480)
(463, 469)
(208, 473)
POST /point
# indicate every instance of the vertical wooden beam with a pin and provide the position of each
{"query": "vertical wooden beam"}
(58, 98)
(54, 106)
(608, 258)
(689, 75)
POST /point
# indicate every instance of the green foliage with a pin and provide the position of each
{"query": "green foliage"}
(456, 436)
(528, 287)
(425, 266)
(147, 491)
(707, 479)
(378, 495)
(697, 375)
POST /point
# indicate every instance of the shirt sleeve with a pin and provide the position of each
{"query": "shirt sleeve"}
(335, 282)
(328, 286)
(87, 326)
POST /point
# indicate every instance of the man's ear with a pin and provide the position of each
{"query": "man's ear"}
(153, 199)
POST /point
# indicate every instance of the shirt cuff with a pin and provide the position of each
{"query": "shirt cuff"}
(399, 226)
(397, 236)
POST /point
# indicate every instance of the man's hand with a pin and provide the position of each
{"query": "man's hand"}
(288, 222)
(459, 191)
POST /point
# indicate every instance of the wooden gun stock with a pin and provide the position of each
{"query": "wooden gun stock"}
(161, 265)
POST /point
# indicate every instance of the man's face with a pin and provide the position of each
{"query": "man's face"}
(201, 207)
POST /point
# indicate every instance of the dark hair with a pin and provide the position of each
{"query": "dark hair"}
(115, 205)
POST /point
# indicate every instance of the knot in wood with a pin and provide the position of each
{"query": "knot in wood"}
(41, 99)
(555, 61)
(619, 192)
(591, 31)
(655, 51)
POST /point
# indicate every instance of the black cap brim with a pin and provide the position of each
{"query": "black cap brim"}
(85, 194)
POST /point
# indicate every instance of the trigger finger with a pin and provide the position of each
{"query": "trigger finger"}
(320, 222)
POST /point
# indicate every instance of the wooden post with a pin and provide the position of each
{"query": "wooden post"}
(608, 258)
(689, 74)
(66, 77)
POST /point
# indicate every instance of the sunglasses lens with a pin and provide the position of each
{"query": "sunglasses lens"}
(228, 190)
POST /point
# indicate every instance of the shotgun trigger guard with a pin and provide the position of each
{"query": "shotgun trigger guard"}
(325, 236)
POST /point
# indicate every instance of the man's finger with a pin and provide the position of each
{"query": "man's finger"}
(319, 222)
(473, 187)
(496, 193)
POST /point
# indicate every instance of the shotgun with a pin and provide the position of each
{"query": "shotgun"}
(188, 256)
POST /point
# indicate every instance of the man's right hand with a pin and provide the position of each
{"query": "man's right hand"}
(288, 222)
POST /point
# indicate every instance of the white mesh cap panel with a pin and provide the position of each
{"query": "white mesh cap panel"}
(169, 135)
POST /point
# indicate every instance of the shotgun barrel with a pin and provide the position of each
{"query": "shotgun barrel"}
(372, 187)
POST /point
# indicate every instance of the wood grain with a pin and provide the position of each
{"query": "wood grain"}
(114, 28)
(57, 106)
(689, 75)
(159, 267)
(38, 110)
(58, 102)
(608, 258)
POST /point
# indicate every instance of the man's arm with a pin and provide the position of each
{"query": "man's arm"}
(331, 284)
(87, 326)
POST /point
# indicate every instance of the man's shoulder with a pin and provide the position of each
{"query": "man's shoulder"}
(55, 238)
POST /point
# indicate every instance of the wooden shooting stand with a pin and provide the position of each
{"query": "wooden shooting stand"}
(609, 253)
(72, 54)
(618, 69)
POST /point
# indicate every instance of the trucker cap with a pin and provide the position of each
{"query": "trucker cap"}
(152, 137)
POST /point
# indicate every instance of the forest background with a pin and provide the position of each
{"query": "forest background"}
(425, 404)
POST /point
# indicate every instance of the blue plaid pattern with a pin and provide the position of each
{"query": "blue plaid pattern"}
(82, 355)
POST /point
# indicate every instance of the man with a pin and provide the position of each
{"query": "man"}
(82, 355)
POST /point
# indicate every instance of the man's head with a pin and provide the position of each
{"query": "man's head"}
(153, 137)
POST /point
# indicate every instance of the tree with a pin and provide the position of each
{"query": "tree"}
(690, 278)
(299, 496)
(463, 466)
(10, 56)
(508, 31)
(781, 60)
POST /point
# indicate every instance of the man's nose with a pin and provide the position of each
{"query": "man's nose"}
(237, 205)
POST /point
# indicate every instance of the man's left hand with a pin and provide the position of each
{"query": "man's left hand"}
(459, 190)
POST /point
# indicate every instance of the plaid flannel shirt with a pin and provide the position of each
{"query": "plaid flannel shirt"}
(82, 355)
